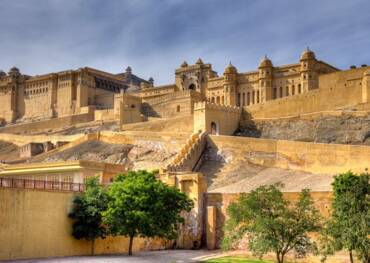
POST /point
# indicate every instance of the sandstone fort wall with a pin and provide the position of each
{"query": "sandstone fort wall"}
(340, 90)
(34, 224)
(309, 157)
(216, 118)
(48, 124)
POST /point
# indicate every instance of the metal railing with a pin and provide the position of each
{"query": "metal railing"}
(40, 185)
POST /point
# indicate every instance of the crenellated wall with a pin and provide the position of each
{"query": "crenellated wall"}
(216, 118)
(189, 157)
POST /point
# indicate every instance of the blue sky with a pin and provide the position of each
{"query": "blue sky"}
(155, 36)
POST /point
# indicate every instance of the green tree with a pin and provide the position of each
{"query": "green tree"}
(271, 223)
(349, 226)
(86, 213)
(140, 205)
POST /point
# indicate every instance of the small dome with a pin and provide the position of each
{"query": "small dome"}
(14, 69)
(230, 69)
(184, 64)
(2, 73)
(199, 61)
(151, 80)
(265, 62)
(129, 69)
(308, 54)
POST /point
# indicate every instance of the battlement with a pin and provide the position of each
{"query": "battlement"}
(214, 106)
(188, 158)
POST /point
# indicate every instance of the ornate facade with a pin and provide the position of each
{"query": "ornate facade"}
(88, 90)
(268, 82)
(60, 94)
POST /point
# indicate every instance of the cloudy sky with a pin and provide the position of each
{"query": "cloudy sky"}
(156, 36)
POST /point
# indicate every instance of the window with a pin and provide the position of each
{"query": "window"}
(287, 90)
(275, 93)
(178, 108)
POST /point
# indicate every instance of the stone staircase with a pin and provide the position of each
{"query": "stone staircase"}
(190, 156)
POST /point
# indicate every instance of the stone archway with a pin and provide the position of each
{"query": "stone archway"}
(214, 128)
(192, 86)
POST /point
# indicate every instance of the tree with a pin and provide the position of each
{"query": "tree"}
(271, 223)
(349, 226)
(140, 205)
(86, 213)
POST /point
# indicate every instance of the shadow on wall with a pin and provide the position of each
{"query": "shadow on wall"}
(148, 111)
(211, 165)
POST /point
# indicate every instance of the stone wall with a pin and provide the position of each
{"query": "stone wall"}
(34, 224)
(216, 118)
(340, 90)
(54, 123)
(179, 103)
(309, 157)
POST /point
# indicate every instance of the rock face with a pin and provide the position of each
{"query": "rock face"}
(146, 155)
(230, 171)
(8, 151)
(342, 130)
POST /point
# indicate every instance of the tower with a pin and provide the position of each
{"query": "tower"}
(309, 76)
(193, 77)
(11, 94)
(230, 83)
(264, 80)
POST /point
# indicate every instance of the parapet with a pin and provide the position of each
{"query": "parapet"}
(213, 106)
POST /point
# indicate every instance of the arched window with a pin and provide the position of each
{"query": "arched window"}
(178, 108)
(192, 86)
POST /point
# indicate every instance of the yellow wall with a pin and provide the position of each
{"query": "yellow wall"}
(54, 123)
(34, 224)
(226, 118)
(303, 156)
(340, 90)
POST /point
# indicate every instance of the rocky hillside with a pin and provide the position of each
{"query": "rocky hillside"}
(229, 171)
(330, 129)
(143, 156)
(8, 151)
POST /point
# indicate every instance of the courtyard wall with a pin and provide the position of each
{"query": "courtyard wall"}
(34, 224)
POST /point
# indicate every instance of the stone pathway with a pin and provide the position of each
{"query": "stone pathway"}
(165, 256)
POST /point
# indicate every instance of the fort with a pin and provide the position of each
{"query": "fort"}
(214, 137)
